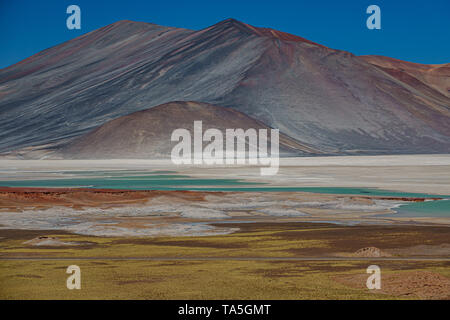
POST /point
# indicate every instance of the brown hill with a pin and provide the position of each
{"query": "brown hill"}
(147, 133)
(436, 76)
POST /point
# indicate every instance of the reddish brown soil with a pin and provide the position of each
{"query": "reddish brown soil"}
(20, 198)
(414, 284)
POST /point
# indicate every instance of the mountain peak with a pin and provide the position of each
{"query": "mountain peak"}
(231, 24)
(231, 20)
(262, 32)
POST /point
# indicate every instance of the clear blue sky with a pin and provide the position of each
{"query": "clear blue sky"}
(417, 31)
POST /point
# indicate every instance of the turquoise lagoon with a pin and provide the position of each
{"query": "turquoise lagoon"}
(169, 180)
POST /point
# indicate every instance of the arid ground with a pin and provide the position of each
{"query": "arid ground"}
(156, 244)
(260, 261)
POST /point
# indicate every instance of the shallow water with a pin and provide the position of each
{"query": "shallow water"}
(170, 180)
(436, 209)
(138, 182)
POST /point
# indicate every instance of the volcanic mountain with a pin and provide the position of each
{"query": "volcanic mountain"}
(328, 99)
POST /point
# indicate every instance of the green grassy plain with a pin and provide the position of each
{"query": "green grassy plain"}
(192, 279)
(103, 278)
